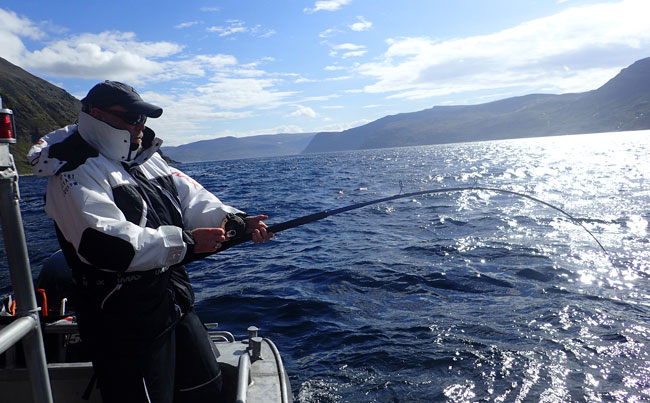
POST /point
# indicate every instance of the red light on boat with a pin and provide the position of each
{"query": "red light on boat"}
(7, 127)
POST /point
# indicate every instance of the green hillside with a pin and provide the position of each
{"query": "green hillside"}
(39, 107)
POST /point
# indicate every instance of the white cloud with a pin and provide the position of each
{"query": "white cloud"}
(302, 80)
(111, 54)
(327, 5)
(338, 78)
(197, 66)
(267, 33)
(320, 98)
(346, 50)
(234, 27)
(115, 55)
(330, 32)
(116, 41)
(357, 53)
(12, 29)
(591, 40)
(347, 46)
(303, 112)
(188, 24)
(20, 26)
(90, 60)
(217, 62)
(361, 25)
(262, 60)
(240, 93)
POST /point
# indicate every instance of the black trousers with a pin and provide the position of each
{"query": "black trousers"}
(178, 366)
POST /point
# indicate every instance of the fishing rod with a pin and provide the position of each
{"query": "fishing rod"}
(296, 222)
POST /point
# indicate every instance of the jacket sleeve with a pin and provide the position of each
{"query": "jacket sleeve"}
(88, 218)
(201, 209)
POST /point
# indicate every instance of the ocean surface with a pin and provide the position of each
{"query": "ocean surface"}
(465, 296)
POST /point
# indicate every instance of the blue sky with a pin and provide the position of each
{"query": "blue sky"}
(250, 67)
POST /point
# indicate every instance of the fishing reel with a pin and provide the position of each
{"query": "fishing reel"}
(234, 225)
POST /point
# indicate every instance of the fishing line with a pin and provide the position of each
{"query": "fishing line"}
(296, 222)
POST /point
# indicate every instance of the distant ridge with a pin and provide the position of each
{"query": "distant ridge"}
(227, 148)
(39, 107)
(623, 103)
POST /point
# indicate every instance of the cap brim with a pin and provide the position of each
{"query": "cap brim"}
(145, 108)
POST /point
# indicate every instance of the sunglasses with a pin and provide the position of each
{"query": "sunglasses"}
(130, 118)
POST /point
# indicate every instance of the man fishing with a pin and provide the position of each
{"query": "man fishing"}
(127, 223)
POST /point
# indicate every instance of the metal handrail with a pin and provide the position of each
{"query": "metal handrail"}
(27, 326)
(284, 393)
(243, 377)
(222, 336)
(15, 331)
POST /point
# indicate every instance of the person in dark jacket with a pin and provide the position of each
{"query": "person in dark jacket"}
(127, 224)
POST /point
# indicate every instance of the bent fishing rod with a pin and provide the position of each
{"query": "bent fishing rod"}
(296, 222)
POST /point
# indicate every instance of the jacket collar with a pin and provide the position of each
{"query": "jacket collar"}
(115, 144)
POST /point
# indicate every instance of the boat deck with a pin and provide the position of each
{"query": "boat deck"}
(254, 362)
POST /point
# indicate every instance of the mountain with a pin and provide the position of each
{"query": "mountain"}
(39, 107)
(226, 148)
(623, 103)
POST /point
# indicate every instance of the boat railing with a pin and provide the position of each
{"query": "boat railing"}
(243, 378)
(26, 327)
(284, 392)
(219, 335)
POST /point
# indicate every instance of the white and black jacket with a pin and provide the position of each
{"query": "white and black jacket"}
(118, 210)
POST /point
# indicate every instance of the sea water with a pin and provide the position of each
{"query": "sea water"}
(466, 296)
